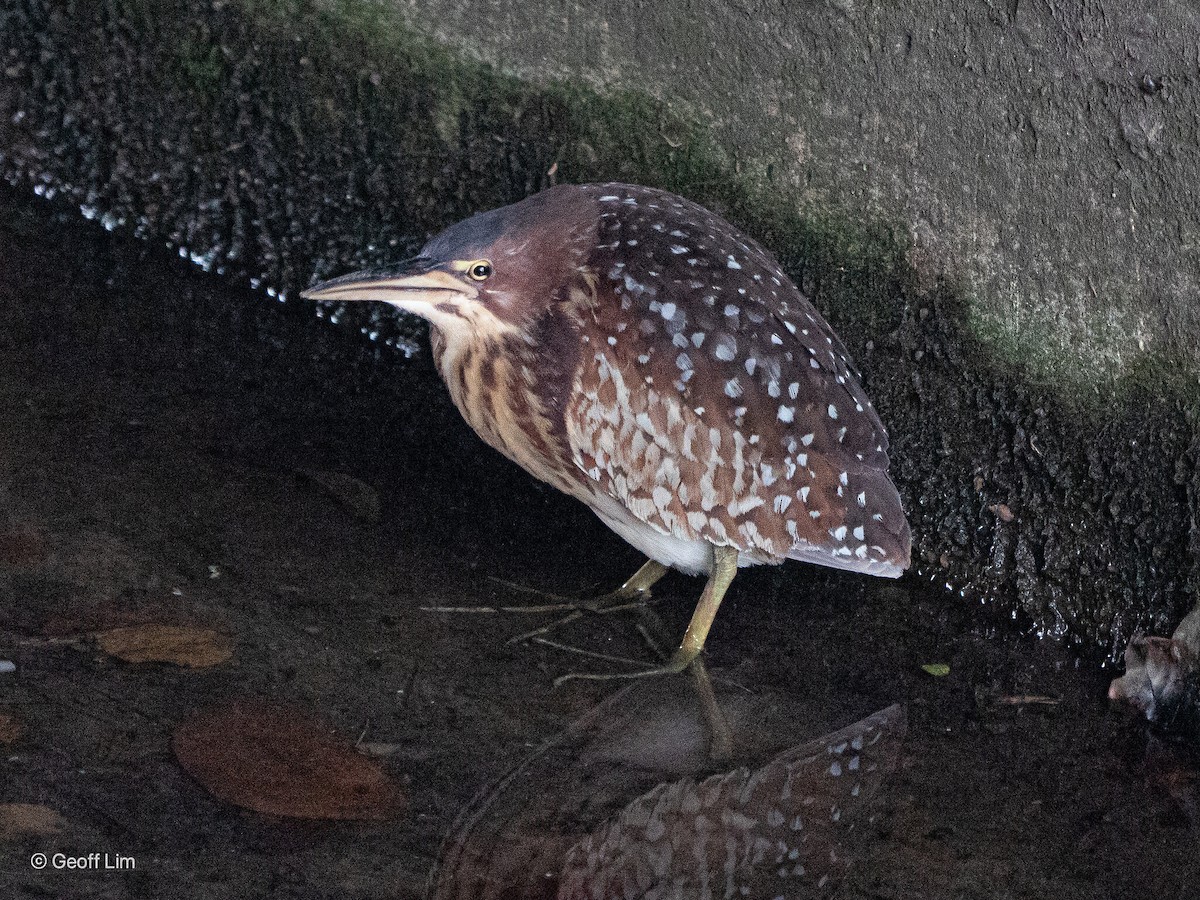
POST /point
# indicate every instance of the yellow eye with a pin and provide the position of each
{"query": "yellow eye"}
(480, 271)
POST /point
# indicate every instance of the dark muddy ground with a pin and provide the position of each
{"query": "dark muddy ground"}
(156, 427)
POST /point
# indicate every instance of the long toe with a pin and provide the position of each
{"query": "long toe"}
(674, 666)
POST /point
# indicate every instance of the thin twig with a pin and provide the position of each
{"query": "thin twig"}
(592, 653)
(545, 629)
(45, 642)
(1029, 699)
(525, 589)
(459, 609)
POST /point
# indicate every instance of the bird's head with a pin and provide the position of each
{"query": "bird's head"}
(505, 266)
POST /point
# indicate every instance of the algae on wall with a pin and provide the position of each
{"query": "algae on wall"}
(287, 140)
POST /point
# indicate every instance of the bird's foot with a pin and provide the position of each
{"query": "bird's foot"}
(636, 589)
(633, 594)
(615, 601)
(677, 663)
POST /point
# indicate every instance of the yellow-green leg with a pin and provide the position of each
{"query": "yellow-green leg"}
(720, 745)
(639, 583)
(723, 570)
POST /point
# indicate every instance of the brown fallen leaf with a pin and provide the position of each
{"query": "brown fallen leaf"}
(183, 645)
(10, 728)
(278, 760)
(28, 818)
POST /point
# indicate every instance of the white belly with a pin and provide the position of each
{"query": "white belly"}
(692, 557)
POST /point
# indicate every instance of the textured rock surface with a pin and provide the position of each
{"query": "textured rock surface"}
(1044, 154)
(1042, 159)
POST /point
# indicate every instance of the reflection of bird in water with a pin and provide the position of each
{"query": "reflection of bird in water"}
(640, 354)
(563, 824)
(775, 832)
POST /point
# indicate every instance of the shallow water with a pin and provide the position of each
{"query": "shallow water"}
(166, 444)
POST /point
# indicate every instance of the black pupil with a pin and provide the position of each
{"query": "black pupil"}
(481, 271)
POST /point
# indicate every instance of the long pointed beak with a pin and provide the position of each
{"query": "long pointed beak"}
(413, 281)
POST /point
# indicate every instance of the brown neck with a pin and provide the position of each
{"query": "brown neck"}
(508, 390)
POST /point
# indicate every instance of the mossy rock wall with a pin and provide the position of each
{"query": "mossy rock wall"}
(1044, 155)
(950, 193)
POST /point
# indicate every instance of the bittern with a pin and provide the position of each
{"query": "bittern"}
(639, 353)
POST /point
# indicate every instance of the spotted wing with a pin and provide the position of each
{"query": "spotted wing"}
(713, 402)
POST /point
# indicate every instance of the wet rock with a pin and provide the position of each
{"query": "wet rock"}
(1162, 678)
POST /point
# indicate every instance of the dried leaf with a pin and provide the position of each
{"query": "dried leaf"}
(10, 728)
(28, 818)
(183, 645)
(937, 670)
(277, 760)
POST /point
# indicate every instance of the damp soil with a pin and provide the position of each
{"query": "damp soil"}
(167, 445)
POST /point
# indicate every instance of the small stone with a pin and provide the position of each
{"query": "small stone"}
(1002, 511)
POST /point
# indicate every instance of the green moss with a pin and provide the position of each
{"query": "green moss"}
(200, 68)
(1106, 366)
